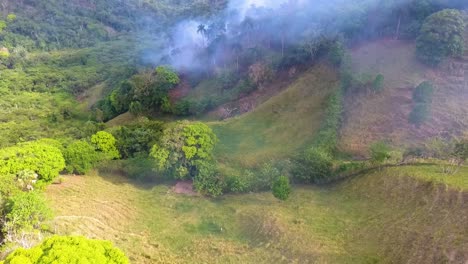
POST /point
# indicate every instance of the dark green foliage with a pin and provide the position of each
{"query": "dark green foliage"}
(69, 249)
(378, 83)
(379, 152)
(25, 211)
(137, 139)
(207, 180)
(80, 157)
(281, 188)
(44, 159)
(313, 166)
(460, 151)
(326, 138)
(423, 93)
(144, 91)
(441, 37)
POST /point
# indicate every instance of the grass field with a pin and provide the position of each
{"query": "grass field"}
(280, 126)
(372, 117)
(363, 220)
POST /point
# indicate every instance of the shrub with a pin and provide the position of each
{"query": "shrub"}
(238, 184)
(328, 133)
(423, 93)
(441, 36)
(207, 179)
(69, 249)
(281, 188)
(313, 165)
(379, 152)
(46, 160)
(378, 83)
(105, 142)
(25, 211)
(80, 157)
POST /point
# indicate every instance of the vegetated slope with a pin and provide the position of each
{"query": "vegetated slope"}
(281, 125)
(405, 214)
(370, 117)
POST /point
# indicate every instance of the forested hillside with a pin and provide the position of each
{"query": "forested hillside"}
(233, 131)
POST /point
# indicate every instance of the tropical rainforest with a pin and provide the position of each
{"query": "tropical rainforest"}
(233, 131)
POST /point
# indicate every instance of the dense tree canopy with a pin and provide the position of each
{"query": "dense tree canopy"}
(68, 249)
(182, 146)
(106, 144)
(46, 160)
(80, 157)
(441, 36)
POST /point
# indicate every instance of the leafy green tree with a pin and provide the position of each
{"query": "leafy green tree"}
(281, 188)
(105, 142)
(379, 152)
(46, 160)
(181, 146)
(313, 165)
(80, 157)
(68, 249)
(441, 36)
(25, 211)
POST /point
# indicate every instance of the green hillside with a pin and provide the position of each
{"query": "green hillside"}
(233, 131)
(369, 219)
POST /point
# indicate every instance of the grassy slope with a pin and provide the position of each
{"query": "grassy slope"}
(278, 127)
(371, 117)
(364, 220)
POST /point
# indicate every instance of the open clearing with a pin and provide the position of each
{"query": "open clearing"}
(372, 117)
(357, 221)
(279, 127)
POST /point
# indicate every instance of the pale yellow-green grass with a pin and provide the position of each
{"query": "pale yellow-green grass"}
(279, 127)
(363, 220)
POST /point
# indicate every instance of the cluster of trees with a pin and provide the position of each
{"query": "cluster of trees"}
(146, 92)
(26, 168)
(57, 24)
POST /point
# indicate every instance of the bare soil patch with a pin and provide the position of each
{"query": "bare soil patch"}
(184, 187)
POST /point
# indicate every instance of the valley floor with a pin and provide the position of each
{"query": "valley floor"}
(362, 220)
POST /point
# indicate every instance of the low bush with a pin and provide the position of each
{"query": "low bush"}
(25, 211)
(281, 188)
(313, 166)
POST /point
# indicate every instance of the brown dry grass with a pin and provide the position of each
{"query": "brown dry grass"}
(373, 117)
